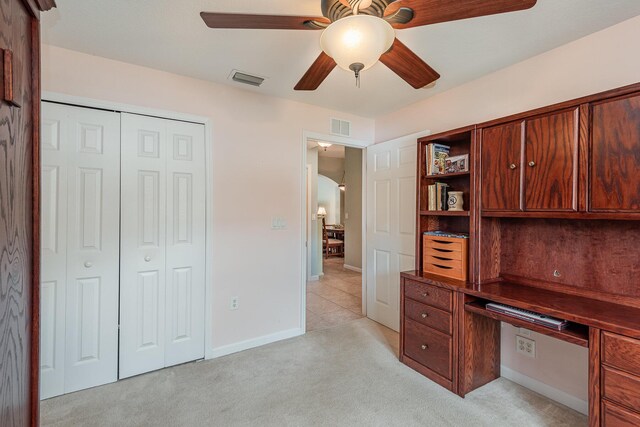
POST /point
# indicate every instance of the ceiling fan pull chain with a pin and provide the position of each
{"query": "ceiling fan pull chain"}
(356, 67)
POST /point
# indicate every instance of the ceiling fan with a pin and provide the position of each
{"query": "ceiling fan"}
(358, 33)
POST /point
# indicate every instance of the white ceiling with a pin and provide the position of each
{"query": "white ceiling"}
(169, 35)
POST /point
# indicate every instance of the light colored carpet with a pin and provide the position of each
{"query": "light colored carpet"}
(345, 376)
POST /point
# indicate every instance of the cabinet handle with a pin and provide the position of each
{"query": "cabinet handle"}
(512, 166)
(425, 315)
(147, 258)
(425, 294)
(532, 163)
(88, 264)
(425, 346)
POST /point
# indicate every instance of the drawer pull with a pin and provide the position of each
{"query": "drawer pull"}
(424, 346)
(425, 315)
(442, 250)
(441, 258)
(425, 294)
(443, 266)
(443, 242)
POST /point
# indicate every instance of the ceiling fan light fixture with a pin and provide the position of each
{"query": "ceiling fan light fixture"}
(357, 39)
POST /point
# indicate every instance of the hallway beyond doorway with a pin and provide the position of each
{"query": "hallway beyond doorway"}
(336, 298)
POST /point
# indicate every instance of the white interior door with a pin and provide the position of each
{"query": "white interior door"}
(53, 249)
(185, 259)
(142, 245)
(391, 206)
(80, 229)
(162, 270)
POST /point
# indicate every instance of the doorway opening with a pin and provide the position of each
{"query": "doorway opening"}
(334, 291)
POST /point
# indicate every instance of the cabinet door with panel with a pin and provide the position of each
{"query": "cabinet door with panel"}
(551, 162)
(615, 155)
(500, 156)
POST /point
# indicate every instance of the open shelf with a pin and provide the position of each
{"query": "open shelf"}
(447, 175)
(574, 333)
(445, 213)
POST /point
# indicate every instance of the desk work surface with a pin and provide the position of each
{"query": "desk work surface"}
(591, 312)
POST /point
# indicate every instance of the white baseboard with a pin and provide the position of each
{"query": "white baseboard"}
(352, 268)
(546, 390)
(313, 278)
(252, 343)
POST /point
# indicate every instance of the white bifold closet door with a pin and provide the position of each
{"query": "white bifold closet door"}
(162, 257)
(79, 248)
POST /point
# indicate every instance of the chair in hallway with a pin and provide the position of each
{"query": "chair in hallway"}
(331, 247)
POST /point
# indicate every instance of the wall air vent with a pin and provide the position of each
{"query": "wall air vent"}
(248, 79)
(340, 127)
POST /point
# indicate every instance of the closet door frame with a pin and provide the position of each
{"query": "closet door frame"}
(208, 131)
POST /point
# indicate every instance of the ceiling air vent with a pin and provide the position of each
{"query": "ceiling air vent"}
(340, 127)
(248, 79)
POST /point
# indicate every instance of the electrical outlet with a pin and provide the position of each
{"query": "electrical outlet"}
(525, 346)
(235, 303)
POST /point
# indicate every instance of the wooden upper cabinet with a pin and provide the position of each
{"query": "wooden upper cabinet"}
(550, 162)
(500, 156)
(615, 155)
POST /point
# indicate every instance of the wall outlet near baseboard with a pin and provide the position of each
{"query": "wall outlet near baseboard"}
(525, 346)
(235, 303)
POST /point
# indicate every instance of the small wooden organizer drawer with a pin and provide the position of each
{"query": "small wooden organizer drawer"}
(428, 294)
(428, 347)
(445, 256)
(621, 352)
(621, 387)
(428, 316)
(615, 416)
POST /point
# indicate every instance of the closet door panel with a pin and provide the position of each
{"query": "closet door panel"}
(185, 269)
(93, 249)
(143, 245)
(53, 248)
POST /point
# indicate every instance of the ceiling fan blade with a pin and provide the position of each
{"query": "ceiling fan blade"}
(433, 11)
(402, 61)
(263, 22)
(315, 75)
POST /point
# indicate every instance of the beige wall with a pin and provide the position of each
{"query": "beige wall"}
(257, 175)
(595, 63)
(353, 208)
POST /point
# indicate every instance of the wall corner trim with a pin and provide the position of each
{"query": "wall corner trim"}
(552, 393)
(253, 343)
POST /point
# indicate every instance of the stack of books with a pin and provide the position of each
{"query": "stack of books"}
(438, 196)
(439, 162)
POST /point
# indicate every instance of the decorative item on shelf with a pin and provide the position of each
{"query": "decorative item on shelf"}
(457, 164)
(456, 201)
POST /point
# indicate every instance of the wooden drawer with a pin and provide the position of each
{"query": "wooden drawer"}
(428, 316)
(442, 253)
(621, 352)
(444, 243)
(428, 294)
(621, 387)
(445, 256)
(615, 416)
(428, 347)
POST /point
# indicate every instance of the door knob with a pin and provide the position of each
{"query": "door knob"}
(147, 258)
(532, 163)
(88, 264)
(512, 166)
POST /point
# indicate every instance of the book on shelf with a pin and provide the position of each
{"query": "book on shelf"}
(436, 157)
(438, 195)
(439, 162)
(441, 194)
(432, 197)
